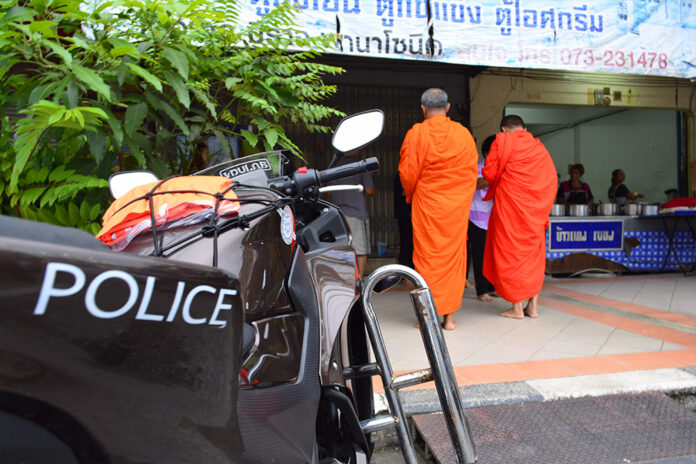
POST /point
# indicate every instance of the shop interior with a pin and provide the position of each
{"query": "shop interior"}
(644, 143)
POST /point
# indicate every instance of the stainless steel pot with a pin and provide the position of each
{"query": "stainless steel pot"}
(578, 210)
(650, 210)
(558, 210)
(631, 209)
(607, 209)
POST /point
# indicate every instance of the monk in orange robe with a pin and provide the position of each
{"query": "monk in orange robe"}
(438, 170)
(523, 181)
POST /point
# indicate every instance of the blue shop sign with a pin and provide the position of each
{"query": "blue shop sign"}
(581, 236)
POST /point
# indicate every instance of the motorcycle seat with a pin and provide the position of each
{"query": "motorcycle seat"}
(42, 232)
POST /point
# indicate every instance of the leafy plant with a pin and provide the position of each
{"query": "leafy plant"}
(90, 88)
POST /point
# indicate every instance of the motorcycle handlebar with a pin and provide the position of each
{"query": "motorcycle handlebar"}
(306, 182)
(347, 170)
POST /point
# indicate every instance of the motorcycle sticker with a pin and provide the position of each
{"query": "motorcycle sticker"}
(249, 166)
(287, 225)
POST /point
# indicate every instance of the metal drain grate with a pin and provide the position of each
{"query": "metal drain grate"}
(617, 429)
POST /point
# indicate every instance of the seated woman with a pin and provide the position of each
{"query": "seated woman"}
(618, 192)
(574, 191)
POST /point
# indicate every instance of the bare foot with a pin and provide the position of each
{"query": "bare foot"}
(532, 308)
(416, 325)
(448, 322)
(515, 312)
(485, 298)
(468, 284)
(511, 313)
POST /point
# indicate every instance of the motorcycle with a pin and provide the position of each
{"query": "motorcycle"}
(236, 336)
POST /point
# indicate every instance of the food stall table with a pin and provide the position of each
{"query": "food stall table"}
(620, 244)
(689, 242)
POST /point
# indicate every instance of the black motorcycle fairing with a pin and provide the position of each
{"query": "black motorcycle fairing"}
(359, 354)
(347, 406)
(341, 442)
(265, 261)
(39, 231)
(33, 431)
(324, 231)
(276, 356)
(278, 423)
(28, 443)
(100, 347)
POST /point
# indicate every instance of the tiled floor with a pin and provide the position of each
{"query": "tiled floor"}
(586, 326)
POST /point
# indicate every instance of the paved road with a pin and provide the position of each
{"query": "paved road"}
(648, 427)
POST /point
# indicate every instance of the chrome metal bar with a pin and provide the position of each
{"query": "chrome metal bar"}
(387, 374)
(412, 378)
(445, 380)
(377, 423)
(440, 362)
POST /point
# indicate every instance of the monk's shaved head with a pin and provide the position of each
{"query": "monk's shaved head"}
(434, 99)
(512, 121)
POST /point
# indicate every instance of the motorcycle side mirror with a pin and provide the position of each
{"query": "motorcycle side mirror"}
(121, 183)
(356, 131)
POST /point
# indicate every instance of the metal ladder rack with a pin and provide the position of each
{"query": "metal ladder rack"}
(440, 370)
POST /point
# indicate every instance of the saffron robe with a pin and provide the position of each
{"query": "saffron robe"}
(438, 170)
(523, 181)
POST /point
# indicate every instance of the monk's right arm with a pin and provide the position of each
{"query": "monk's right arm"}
(490, 166)
(408, 165)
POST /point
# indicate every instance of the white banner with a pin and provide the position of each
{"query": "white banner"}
(656, 37)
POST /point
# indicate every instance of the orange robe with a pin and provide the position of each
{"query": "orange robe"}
(438, 170)
(523, 183)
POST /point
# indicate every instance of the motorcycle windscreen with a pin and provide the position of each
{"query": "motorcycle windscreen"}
(143, 353)
(270, 164)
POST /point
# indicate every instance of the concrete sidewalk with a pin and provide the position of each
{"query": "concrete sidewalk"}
(594, 336)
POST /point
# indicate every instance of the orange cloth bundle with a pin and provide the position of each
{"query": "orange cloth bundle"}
(175, 200)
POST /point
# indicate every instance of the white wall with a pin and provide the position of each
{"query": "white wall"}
(642, 142)
(654, 145)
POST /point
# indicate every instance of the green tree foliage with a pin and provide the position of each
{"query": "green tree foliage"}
(136, 84)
